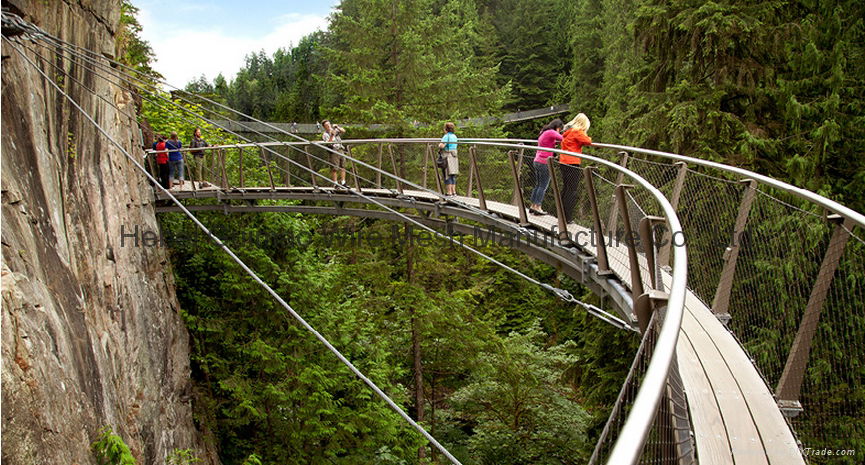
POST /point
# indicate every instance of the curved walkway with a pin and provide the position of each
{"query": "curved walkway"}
(734, 415)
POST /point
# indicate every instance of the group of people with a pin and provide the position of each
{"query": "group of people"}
(571, 137)
(332, 133)
(169, 159)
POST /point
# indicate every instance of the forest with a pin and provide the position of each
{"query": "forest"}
(499, 370)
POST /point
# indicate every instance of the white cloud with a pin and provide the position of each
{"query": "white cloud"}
(186, 52)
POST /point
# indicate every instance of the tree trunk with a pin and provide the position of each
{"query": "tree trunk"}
(416, 352)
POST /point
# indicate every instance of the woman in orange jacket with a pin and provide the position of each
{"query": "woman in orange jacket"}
(575, 138)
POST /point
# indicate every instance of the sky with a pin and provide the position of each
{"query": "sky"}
(195, 37)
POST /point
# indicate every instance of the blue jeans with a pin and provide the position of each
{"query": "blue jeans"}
(175, 170)
(452, 179)
(542, 180)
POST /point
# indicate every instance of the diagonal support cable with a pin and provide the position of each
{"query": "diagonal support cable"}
(245, 267)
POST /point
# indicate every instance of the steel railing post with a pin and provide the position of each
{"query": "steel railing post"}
(603, 262)
(288, 168)
(150, 165)
(378, 172)
(353, 168)
(790, 384)
(519, 201)
(557, 194)
(614, 213)
(240, 166)
(515, 198)
(191, 168)
(678, 185)
(721, 302)
(426, 158)
(471, 183)
(647, 238)
(482, 200)
(633, 259)
(312, 171)
(266, 158)
(440, 181)
(393, 164)
(222, 167)
(646, 304)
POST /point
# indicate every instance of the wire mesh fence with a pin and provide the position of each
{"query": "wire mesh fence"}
(774, 256)
(764, 261)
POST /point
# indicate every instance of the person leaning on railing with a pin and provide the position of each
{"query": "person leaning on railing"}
(198, 155)
(550, 135)
(574, 138)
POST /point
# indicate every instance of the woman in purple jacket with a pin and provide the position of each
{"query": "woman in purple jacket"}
(550, 135)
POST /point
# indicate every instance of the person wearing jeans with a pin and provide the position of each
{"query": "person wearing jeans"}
(542, 181)
(550, 135)
(449, 146)
(175, 159)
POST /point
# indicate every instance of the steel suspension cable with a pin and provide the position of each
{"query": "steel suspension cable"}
(142, 95)
(243, 265)
(469, 207)
(560, 293)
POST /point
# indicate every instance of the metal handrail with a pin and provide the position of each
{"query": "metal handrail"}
(818, 199)
(636, 429)
(805, 194)
(638, 424)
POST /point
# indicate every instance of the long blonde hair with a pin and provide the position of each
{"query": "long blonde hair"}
(580, 122)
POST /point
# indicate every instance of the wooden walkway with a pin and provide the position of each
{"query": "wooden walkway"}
(734, 415)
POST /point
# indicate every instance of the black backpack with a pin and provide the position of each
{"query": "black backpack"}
(441, 161)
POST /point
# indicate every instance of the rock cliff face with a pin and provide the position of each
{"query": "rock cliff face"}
(91, 335)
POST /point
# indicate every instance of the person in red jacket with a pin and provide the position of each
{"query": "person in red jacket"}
(573, 140)
(162, 161)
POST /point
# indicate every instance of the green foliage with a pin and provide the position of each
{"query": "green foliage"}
(266, 388)
(131, 49)
(110, 449)
(181, 117)
(517, 406)
(395, 62)
(772, 86)
(182, 457)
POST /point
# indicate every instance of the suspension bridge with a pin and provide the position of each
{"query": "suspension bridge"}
(747, 292)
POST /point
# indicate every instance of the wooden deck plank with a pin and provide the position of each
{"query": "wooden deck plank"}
(710, 433)
(778, 442)
(744, 439)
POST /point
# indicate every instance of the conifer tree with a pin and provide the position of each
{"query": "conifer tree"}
(400, 61)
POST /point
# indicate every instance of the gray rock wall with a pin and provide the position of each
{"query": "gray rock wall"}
(91, 335)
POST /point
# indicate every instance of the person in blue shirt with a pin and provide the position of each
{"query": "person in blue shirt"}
(175, 159)
(449, 146)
